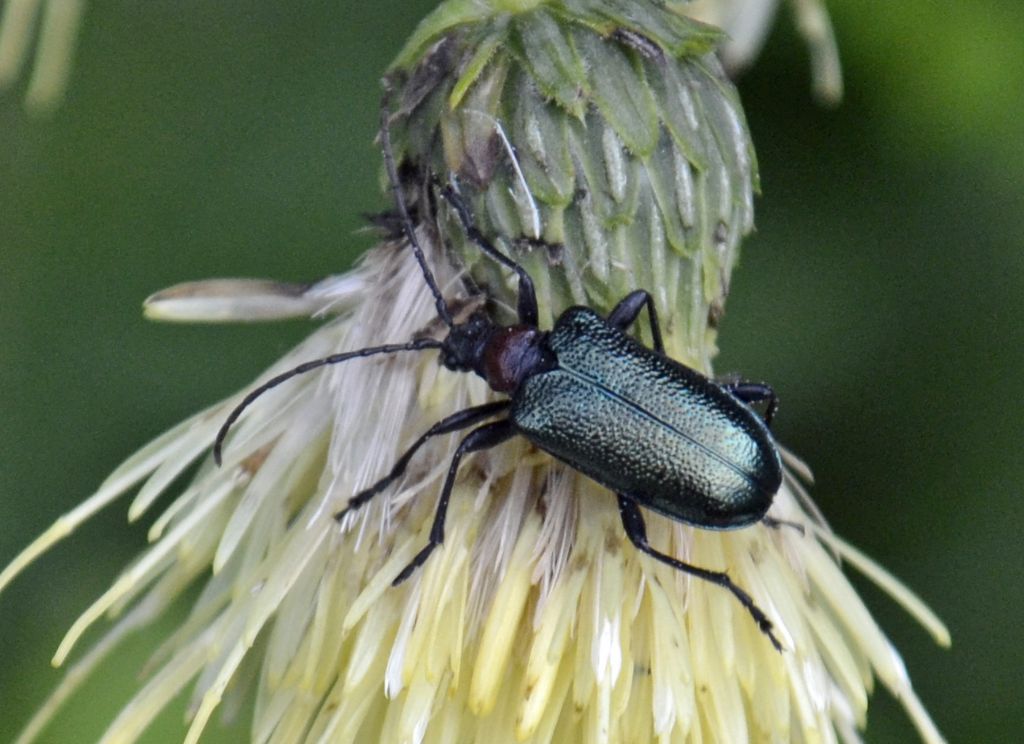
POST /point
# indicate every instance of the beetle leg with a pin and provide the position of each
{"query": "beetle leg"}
(626, 312)
(636, 530)
(484, 437)
(459, 420)
(755, 392)
(526, 306)
(778, 524)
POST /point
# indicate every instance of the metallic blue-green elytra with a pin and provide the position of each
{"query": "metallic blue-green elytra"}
(648, 427)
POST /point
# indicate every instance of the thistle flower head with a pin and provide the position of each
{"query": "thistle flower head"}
(599, 144)
(600, 140)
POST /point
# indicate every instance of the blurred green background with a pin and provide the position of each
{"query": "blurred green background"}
(882, 295)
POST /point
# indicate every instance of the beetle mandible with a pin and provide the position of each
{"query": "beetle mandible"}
(657, 433)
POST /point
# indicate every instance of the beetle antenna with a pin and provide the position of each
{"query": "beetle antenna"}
(410, 230)
(415, 345)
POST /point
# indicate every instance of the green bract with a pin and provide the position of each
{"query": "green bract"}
(597, 140)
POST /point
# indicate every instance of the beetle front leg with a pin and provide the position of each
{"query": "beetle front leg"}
(755, 392)
(487, 436)
(526, 306)
(459, 420)
(636, 530)
(626, 312)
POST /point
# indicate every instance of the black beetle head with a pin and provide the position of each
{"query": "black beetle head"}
(464, 347)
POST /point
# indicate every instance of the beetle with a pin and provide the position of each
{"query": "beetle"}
(657, 433)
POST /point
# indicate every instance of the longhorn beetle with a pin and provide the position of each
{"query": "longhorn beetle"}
(657, 433)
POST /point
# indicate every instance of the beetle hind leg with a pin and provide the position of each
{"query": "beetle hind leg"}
(636, 530)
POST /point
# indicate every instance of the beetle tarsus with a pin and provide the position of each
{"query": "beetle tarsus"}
(778, 524)
(415, 563)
